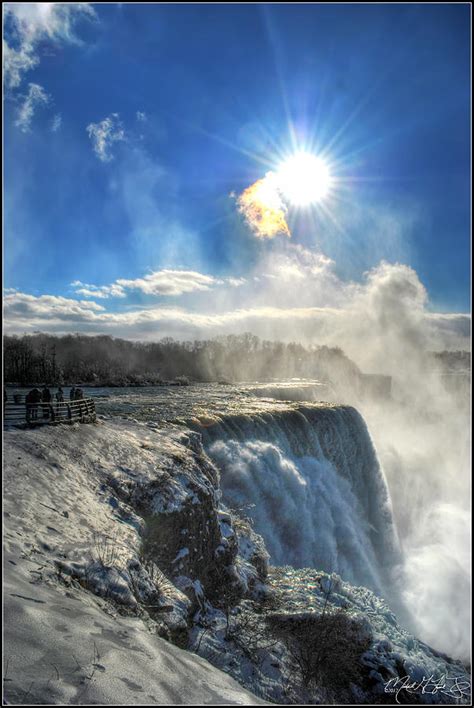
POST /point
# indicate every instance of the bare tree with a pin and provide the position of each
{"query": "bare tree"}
(39, 358)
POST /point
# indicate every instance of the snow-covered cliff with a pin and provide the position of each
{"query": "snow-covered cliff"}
(120, 556)
(80, 626)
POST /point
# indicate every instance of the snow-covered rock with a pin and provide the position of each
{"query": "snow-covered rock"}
(79, 626)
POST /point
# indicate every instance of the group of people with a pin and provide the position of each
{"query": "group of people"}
(75, 394)
(35, 398)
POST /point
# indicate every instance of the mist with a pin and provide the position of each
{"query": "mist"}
(423, 443)
(422, 439)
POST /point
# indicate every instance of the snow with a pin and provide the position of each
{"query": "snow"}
(84, 611)
(300, 593)
(391, 646)
(65, 643)
(225, 524)
(61, 647)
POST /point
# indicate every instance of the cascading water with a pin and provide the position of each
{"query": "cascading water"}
(310, 479)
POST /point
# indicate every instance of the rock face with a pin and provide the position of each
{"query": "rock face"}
(190, 537)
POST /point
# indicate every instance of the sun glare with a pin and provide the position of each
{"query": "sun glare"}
(304, 179)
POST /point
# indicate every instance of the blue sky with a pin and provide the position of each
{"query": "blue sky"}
(131, 130)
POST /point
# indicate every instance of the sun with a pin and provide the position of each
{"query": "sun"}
(304, 179)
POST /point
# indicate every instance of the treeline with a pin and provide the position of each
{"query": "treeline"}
(107, 361)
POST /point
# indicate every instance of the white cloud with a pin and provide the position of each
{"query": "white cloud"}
(141, 117)
(376, 327)
(16, 62)
(104, 134)
(35, 97)
(163, 282)
(24, 312)
(235, 282)
(32, 312)
(383, 322)
(56, 123)
(100, 291)
(26, 25)
(170, 282)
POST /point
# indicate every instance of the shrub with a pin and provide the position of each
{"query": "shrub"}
(325, 648)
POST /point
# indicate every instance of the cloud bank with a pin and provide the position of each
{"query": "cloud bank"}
(294, 296)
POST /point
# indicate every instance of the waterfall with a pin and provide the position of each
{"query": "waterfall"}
(309, 478)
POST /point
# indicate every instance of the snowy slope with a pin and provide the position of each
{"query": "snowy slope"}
(63, 644)
(83, 616)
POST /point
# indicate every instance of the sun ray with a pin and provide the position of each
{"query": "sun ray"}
(273, 41)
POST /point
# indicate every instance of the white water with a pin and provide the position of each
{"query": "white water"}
(310, 517)
(312, 484)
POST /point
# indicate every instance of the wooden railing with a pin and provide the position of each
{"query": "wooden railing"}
(78, 411)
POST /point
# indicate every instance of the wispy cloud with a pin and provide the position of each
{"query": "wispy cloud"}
(27, 25)
(141, 116)
(100, 291)
(56, 123)
(104, 134)
(170, 282)
(16, 62)
(165, 282)
(35, 97)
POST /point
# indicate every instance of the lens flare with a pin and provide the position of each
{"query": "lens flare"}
(304, 179)
(263, 208)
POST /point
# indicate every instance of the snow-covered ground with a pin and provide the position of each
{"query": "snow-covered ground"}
(92, 512)
(63, 643)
